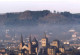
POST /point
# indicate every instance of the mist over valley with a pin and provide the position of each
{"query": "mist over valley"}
(55, 24)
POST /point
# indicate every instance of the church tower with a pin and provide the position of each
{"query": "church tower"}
(34, 41)
(30, 45)
(21, 43)
(35, 45)
(44, 41)
(55, 43)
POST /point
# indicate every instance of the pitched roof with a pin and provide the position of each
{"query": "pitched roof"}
(34, 40)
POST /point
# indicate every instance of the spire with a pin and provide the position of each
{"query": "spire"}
(21, 38)
(30, 39)
(34, 39)
(45, 34)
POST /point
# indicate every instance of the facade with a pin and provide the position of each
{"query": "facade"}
(30, 49)
(44, 42)
(52, 50)
(55, 43)
(62, 50)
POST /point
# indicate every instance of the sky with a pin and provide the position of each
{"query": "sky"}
(72, 6)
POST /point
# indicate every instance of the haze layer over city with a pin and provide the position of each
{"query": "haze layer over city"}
(39, 27)
(13, 13)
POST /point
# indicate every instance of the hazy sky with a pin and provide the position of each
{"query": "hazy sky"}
(21, 5)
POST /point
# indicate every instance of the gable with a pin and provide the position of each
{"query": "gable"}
(25, 47)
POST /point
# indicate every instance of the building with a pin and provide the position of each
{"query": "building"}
(55, 43)
(3, 51)
(30, 49)
(52, 50)
(44, 42)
